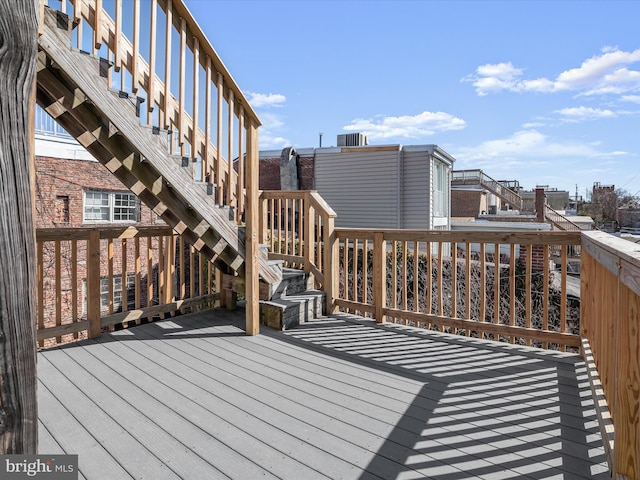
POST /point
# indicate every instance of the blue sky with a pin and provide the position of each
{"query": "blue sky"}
(545, 92)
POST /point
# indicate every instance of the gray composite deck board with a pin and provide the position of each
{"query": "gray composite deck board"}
(341, 397)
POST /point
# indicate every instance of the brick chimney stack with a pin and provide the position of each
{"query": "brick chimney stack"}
(540, 203)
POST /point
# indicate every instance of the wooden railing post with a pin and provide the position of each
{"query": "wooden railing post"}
(308, 234)
(380, 275)
(252, 240)
(93, 283)
(330, 259)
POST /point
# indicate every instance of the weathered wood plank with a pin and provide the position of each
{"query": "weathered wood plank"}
(18, 274)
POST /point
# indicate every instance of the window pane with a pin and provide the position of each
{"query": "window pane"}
(125, 207)
(96, 207)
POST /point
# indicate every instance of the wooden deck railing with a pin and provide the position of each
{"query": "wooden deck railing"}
(298, 227)
(610, 327)
(168, 68)
(94, 278)
(456, 282)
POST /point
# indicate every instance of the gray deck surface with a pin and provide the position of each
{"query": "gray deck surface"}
(194, 398)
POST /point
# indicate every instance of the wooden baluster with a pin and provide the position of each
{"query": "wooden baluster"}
(182, 127)
(496, 286)
(329, 261)
(345, 268)
(404, 275)
(467, 286)
(440, 281)
(207, 167)
(167, 65)
(416, 275)
(195, 147)
(74, 283)
(151, 88)
(454, 282)
(230, 185)
(137, 272)
(58, 285)
(202, 286)
(545, 292)
(124, 277)
(563, 293)
(150, 280)
(354, 270)
(380, 276)
(219, 170)
(161, 284)
(241, 179)
(183, 285)
(40, 279)
(117, 50)
(365, 272)
(192, 272)
(429, 279)
(135, 60)
(97, 27)
(512, 289)
(394, 275)
(110, 276)
(483, 284)
(528, 274)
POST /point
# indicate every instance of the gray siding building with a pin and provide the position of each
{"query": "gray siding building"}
(382, 186)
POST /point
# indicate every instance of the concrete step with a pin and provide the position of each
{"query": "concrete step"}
(289, 311)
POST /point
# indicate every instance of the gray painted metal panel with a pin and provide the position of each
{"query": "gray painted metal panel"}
(362, 187)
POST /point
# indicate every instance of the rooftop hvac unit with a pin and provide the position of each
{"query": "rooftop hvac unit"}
(352, 140)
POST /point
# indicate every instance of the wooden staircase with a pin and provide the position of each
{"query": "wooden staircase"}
(73, 87)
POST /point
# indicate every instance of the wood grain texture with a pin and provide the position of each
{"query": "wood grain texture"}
(18, 275)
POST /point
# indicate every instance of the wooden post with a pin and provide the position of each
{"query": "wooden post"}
(93, 283)
(18, 275)
(308, 234)
(330, 259)
(251, 246)
(380, 276)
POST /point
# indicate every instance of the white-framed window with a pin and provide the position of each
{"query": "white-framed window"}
(118, 291)
(105, 207)
(440, 189)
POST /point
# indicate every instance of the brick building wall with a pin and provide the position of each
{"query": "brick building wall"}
(269, 173)
(468, 203)
(60, 184)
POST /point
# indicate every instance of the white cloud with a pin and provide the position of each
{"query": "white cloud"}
(268, 137)
(406, 126)
(606, 73)
(581, 114)
(631, 98)
(524, 148)
(266, 100)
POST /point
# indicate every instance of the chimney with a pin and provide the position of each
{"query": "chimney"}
(540, 203)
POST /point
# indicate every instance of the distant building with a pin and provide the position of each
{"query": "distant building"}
(556, 199)
(369, 186)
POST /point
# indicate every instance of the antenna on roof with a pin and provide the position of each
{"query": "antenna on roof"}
(320, 139)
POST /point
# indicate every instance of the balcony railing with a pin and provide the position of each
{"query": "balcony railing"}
(95, 278)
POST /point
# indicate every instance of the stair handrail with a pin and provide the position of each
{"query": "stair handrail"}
(559, 220)
(125, 54)
(298, 226)
(499, 188)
